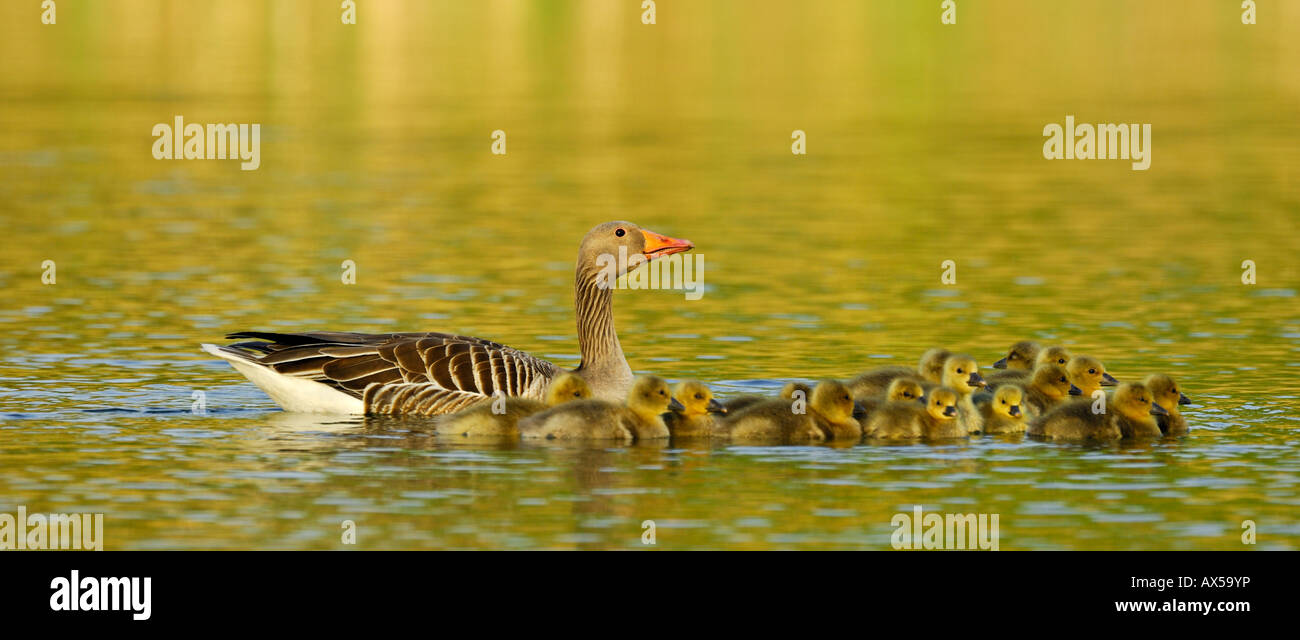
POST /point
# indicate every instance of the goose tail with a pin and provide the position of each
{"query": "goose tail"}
(291, 393)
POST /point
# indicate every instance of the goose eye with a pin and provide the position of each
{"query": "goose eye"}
(620, 233)
(1004, 402)
(907, 394)
(1060, 361)
(661, 393)
(1092, 371)
(699, 396)
(1173, 391)
(1062, 378)
(959, 370)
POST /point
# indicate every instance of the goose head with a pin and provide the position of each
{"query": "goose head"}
(1088, 374)
(1022, 356)
(941, 403)
(1134, 401)
(696, 399)
(904, 390)
(962, 374)
(1052, 381)
(931, 365)
(566, 387)
(650, 397)
(1053, 355)
(1007, 401)
(603, 248)
(1165, 392)
(832, 400)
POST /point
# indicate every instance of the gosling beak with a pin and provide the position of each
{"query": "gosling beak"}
(1075, 391)
(1159, 410)
(1014, 410)
(715, 406)
(1182, 399)
(657, 246)
(676, 405)
(1000, 364)
(950, 411)
(976, 380)
(1108, 380)
(859, 411)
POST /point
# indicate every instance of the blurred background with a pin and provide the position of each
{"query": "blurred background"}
(924, 144)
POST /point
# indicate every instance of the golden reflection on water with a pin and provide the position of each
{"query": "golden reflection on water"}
(924, 145)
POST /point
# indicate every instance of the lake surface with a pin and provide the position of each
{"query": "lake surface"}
(923, 145)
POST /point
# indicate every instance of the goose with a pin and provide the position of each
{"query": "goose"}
(962, 374)
(437, 373)
(499, 417)
(1002, 409)
(1049, 386)
(1129, 414)
(829, 414)
(640, 419)
(936, 418)
(1165, 392)
(1088, 374)
(900, 390)
(695, 419)
(876, 381)
(787, 393)
(1021, 356)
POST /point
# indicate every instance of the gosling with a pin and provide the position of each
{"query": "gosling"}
(498, 417)
(1049, 387)
(640, 419)
(1001, 409)
(1165, 392)
(1020, 357)
(829, 414)
(1089, 375)
(695, 419)
(1128, 414)
(936, 418)
(962, 374)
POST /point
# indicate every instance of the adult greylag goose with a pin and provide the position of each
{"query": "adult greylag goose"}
(437, 373)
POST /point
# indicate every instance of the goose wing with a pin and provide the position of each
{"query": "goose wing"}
(423, 373)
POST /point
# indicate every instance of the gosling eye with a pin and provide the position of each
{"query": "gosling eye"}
(1004, 402)
(959, 370)
(620, 233)
(1092, 371)
(662, 393)
(907, 394)
(1173, 391)
(699, 396)
(1060, 361)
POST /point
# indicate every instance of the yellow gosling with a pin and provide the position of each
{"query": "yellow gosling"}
(1021, 356)
(640, 419)
(962, 374)
(1166, 393)
(1003, 410)
(936, 418)
(499, 417)
(1088, 374)
(827, 414)
(1049, 387)
(1128, 414)
(695, 418)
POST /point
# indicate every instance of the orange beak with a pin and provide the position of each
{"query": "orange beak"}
(657, 246)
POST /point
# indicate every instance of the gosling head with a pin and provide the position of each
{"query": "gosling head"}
(566, 387)
(832, 400)
(904, 390)
(787, 391)
(1133, 401)
(1022, 356)
(1052, 355)
(650, 397)
(696, 399)
(1053, 381)
(931, 365)
(941, 403)
(1007, 401)
(1088, 374)
(1165, 392)
(602, 246)
(961, 374)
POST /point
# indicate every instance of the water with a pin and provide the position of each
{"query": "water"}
(923, 146)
